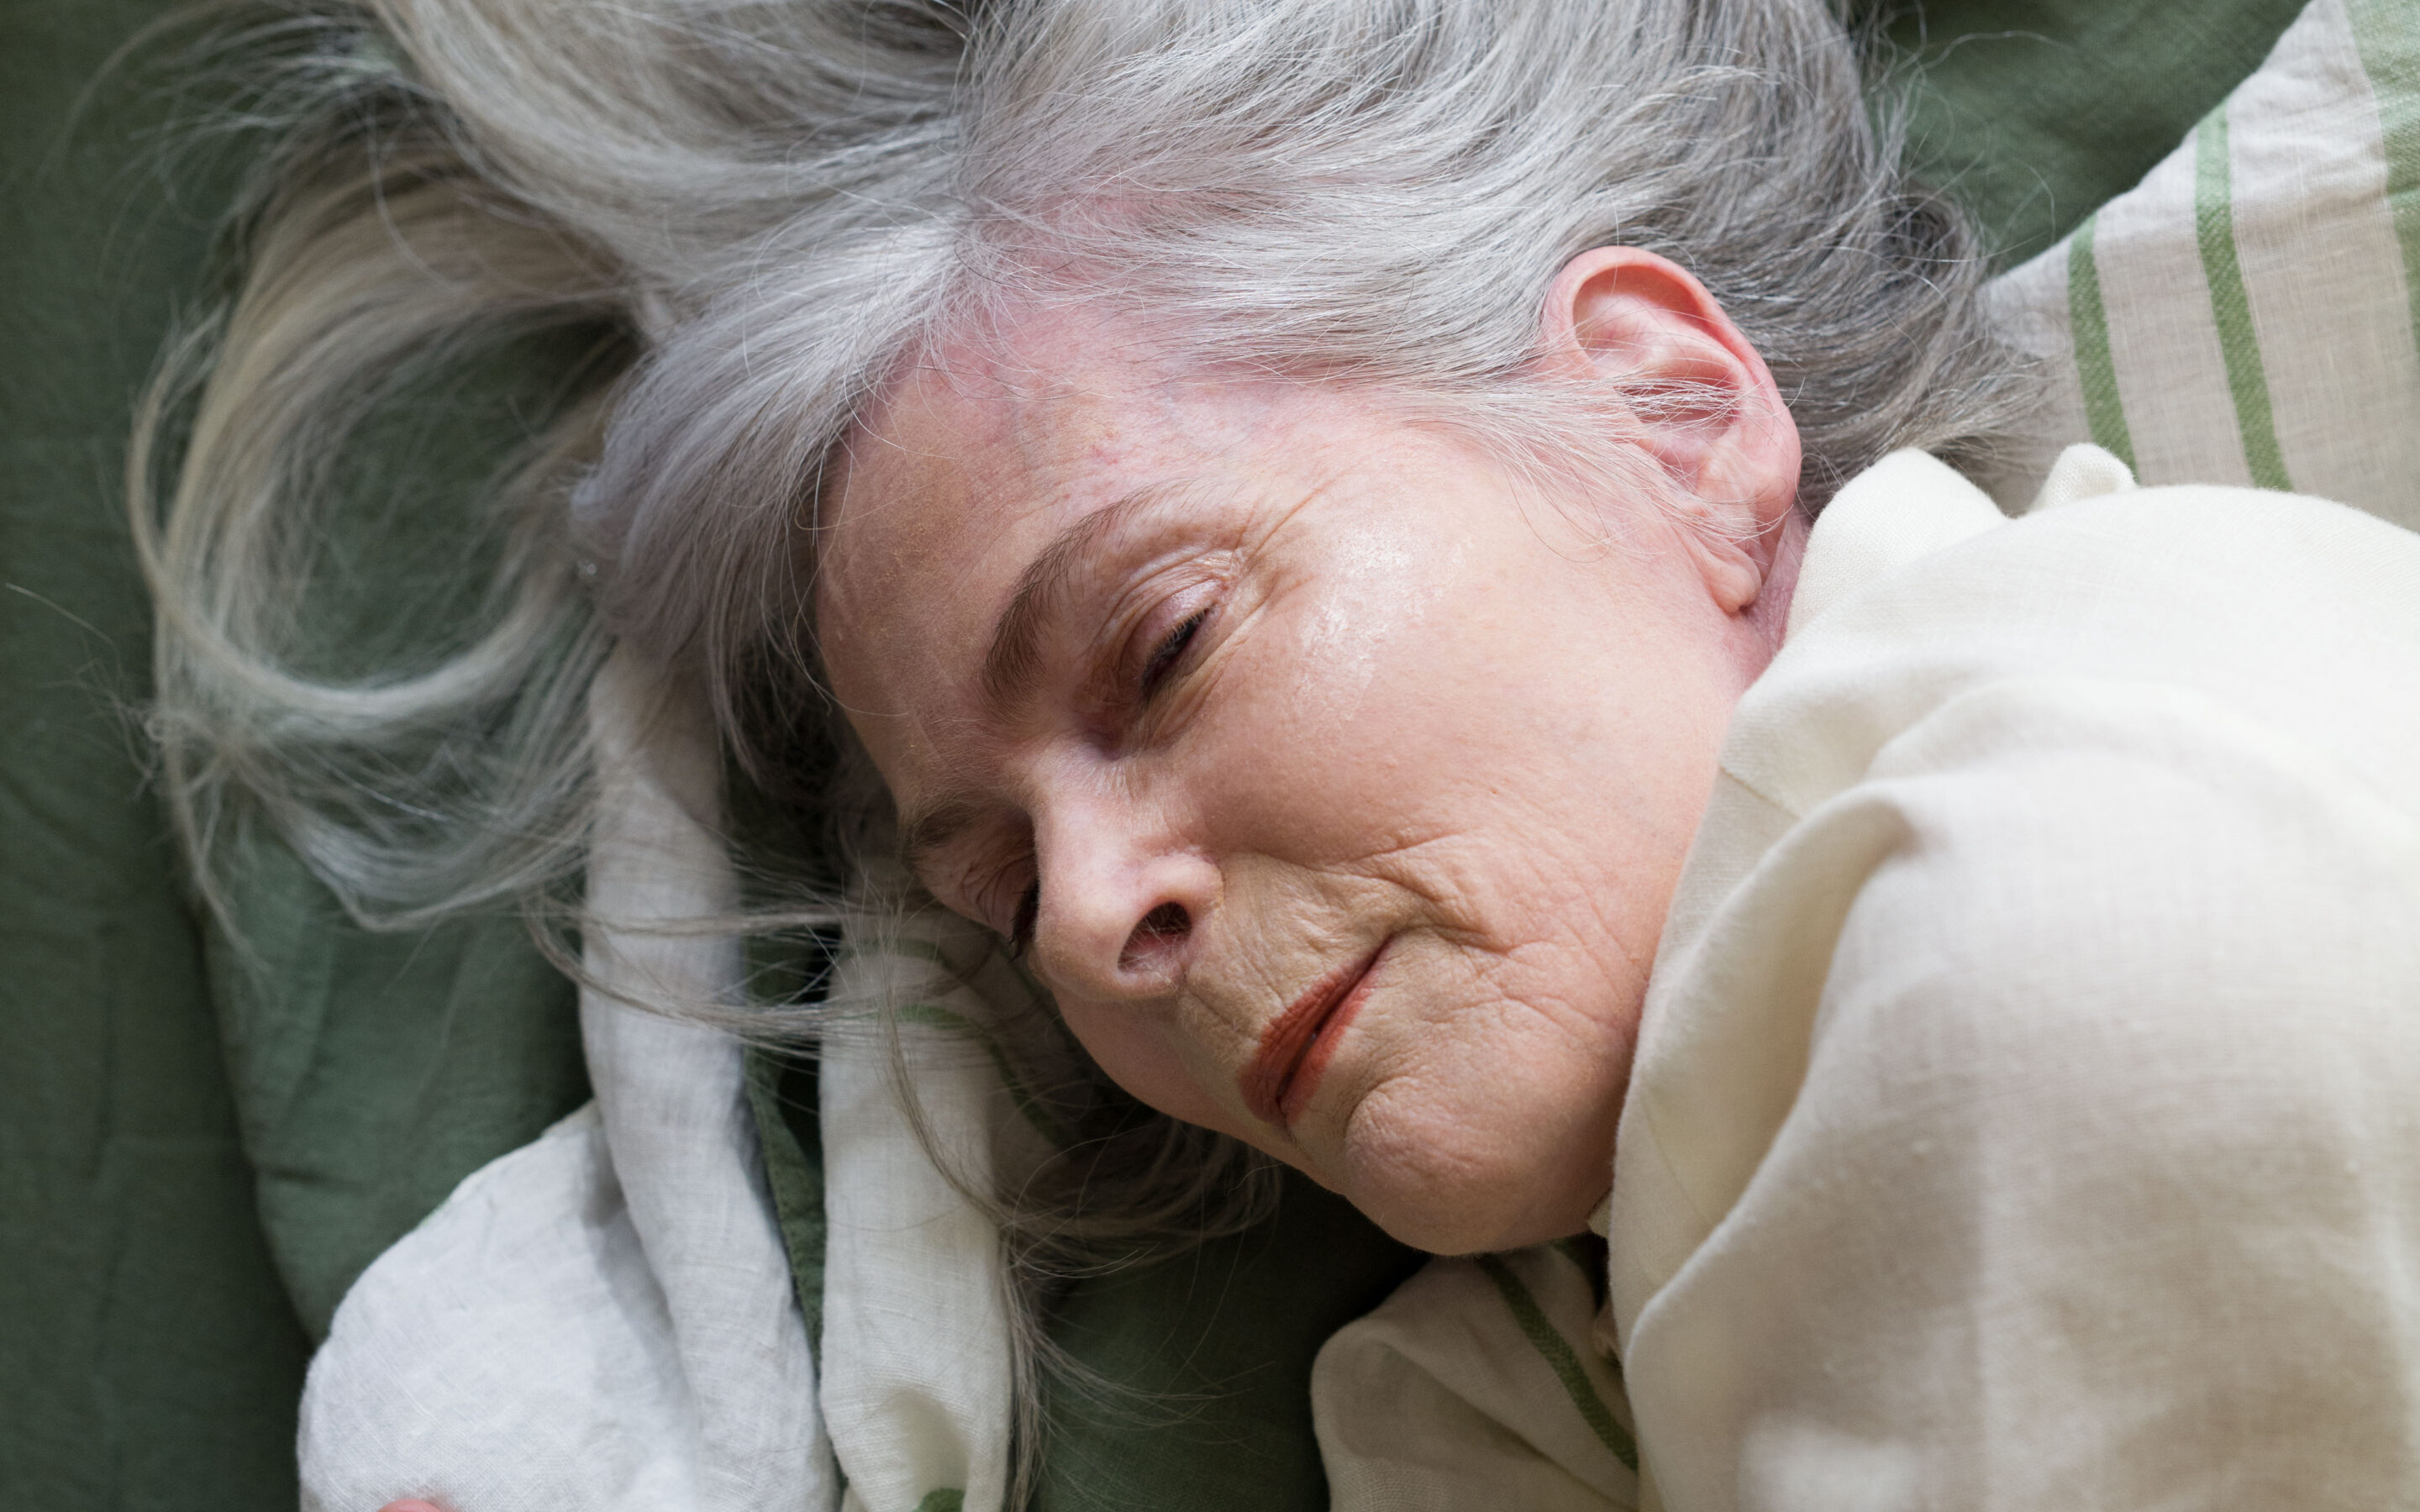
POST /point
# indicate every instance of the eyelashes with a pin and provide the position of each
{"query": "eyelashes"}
(1029, 913)
(1168, 654)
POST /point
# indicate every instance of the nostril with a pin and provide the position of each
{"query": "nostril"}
(1165, 919)
(1163, 926)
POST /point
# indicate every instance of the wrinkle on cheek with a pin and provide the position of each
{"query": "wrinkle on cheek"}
(1421, 1154)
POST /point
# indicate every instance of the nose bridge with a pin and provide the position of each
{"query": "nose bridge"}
(1124, 887)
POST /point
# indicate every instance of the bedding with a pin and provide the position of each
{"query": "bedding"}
(2246, 314)
(603, 1318)
(200, 1147)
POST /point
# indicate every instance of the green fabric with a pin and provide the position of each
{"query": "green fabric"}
(2239, 345)
(2104, 411)
(2032, 112)
(151, 1358)
(781, 1096)
(373, 1072)
(196, 1158)
(1557, 1351)
(1212, 1352)
(2388, 35)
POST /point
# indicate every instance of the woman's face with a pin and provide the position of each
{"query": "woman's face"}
(1336, 787)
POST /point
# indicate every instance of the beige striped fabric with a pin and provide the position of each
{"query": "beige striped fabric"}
(2250, 312)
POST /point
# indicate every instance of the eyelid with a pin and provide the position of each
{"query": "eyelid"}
(1021, 924)
(970, 873)
(994, 895)
(1194, 604)
(1167, 657)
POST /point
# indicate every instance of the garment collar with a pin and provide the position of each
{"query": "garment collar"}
(1909, 504)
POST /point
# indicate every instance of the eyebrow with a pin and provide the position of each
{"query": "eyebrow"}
(1015, 656)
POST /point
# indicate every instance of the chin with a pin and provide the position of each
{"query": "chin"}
(1471, 1195)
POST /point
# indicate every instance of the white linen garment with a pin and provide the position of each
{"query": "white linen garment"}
(2026, 1110)
(604, 1320)
(2027, 1105)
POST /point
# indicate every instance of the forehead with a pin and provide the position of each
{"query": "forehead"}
(977, 457)
(969, 442)
(979, 451)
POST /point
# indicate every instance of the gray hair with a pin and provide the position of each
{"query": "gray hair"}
(778, 199)
(1373, 191)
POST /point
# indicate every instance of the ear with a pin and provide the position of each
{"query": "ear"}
(1706, 405)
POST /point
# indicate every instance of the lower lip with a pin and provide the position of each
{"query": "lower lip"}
(1295, 1050)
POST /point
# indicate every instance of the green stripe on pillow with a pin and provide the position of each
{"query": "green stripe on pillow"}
(2095, 373)
(2230, 308)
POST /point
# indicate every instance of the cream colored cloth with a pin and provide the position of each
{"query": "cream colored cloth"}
(916, 1360)
(604, 1320)
(2027, 1105)
(1474, 1388)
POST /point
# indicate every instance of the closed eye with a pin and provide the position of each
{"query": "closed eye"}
(1028, 914)
(1169, 652)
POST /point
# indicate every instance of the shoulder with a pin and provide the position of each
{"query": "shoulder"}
(2107, 950)
(2058, 803)
(2056, 891)
(2057, 865)
(2298, 613)
(2052, 1086)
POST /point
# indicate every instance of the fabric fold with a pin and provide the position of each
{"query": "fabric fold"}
(603, 1320)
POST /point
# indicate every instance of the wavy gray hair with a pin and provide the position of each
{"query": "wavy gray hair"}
(778, 199)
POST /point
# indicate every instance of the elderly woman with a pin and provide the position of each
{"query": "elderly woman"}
(1378, 545)
(1989, 1010)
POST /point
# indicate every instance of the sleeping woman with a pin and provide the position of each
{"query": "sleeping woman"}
(1404, 555)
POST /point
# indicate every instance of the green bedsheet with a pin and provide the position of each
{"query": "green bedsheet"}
(196, 1159)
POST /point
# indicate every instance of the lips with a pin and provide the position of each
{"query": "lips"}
(1296, 1048)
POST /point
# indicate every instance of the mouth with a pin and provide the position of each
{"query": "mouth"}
(1297, 1047)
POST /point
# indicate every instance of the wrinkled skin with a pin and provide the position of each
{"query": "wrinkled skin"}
(1300, 694)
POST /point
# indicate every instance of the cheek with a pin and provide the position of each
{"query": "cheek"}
(1430, 729)
(1141, 1053)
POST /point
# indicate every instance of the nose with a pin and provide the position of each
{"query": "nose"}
(1124, 901)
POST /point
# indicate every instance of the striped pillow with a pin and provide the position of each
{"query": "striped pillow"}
(2250, 312)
